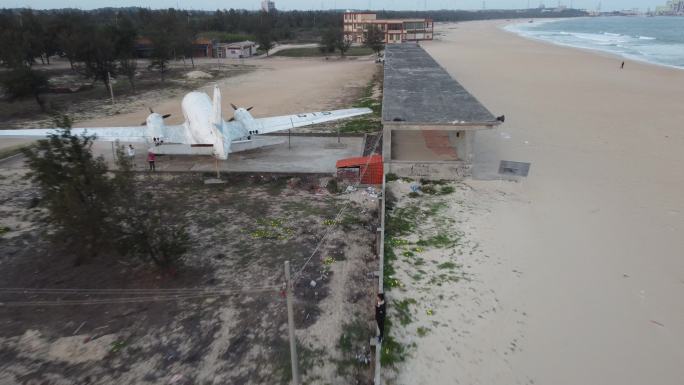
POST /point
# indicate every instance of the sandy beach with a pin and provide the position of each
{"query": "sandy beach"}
(578, 277)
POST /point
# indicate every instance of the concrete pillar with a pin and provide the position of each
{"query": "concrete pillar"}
(386, 146)
(468, 140)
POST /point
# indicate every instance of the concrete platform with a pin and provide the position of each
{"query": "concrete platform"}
(307, 155)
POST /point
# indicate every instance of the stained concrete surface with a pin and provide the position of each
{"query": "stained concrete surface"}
(306, 155)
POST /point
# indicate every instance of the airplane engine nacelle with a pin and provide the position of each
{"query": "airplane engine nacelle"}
(155, 126)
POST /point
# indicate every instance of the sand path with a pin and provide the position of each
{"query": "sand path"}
(589, 247)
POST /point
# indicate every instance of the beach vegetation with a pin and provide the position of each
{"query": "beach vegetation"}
(393, 352)
(422, 331)
(403, 310)
(447, 265)
(352, 343)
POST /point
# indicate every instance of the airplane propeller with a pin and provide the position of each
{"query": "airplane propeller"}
(152, 112)
(236, 108)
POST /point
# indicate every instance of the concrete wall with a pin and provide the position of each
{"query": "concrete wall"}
(453, 170)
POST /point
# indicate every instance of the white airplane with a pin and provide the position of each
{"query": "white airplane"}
(204, 131)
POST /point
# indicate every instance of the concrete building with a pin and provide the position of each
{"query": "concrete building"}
(429, 119)
(268, 6)
(671, 8)
(396, 30)
(237, 50)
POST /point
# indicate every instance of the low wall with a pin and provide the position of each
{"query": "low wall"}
(433, 170)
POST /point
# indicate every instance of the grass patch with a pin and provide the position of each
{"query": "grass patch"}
(315, 52)
(271, 229)
(392, 352)
(436, 207)
(352, 343)
(440, 241)
(391, 177)
(307, 355)
(439, 182)
(361, 125)
(13, 150)
(403, 310)
(422, 331)
(4, 230)
(447, 265)
(446, 190)
(402, 221)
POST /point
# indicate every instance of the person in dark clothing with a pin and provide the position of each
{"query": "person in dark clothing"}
(622, 65)
(380, 315)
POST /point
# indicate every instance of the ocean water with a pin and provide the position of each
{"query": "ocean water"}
(658, 40)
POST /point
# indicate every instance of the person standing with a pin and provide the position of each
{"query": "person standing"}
(622, 66)
(150, 159)
(380, 315)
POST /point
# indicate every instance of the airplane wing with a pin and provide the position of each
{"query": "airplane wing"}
(278, 123)
(105, 134)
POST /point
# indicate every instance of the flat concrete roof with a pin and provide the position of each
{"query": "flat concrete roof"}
(417, 90)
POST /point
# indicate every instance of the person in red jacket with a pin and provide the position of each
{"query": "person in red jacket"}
(150, 159)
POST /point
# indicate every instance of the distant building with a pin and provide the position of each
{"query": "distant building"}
(671, 8)
(237, 50)
(268, 6)
(201, 47)
(396, 30)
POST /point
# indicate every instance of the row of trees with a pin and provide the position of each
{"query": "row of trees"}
(95, 212)
(333, 40)
(98, 51)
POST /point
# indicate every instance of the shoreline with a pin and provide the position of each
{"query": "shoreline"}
(505, 27)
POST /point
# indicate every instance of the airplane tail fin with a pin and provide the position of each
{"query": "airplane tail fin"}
(222, 144)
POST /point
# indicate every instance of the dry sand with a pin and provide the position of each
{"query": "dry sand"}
(280, 86)
(581, 263)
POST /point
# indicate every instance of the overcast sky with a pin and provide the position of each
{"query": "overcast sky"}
(330, 4)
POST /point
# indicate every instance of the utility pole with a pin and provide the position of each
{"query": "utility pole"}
(290, 324)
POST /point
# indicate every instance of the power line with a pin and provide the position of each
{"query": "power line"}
(339, 214)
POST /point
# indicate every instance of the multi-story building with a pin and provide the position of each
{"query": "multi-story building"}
(268, 6)
(671, 8)
(356, 24)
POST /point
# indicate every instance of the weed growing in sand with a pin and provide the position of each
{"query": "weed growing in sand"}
(403, 311)
(441, 241)
(4, 230)
(392, 352)
(353, 344)
(391, 177)
(447, 265)
(308, 358)
(402, 221)
(271, 229)
(422, 331)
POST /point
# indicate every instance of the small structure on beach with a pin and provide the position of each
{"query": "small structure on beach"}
(429, 119)
(237, 50)
(361, 169)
